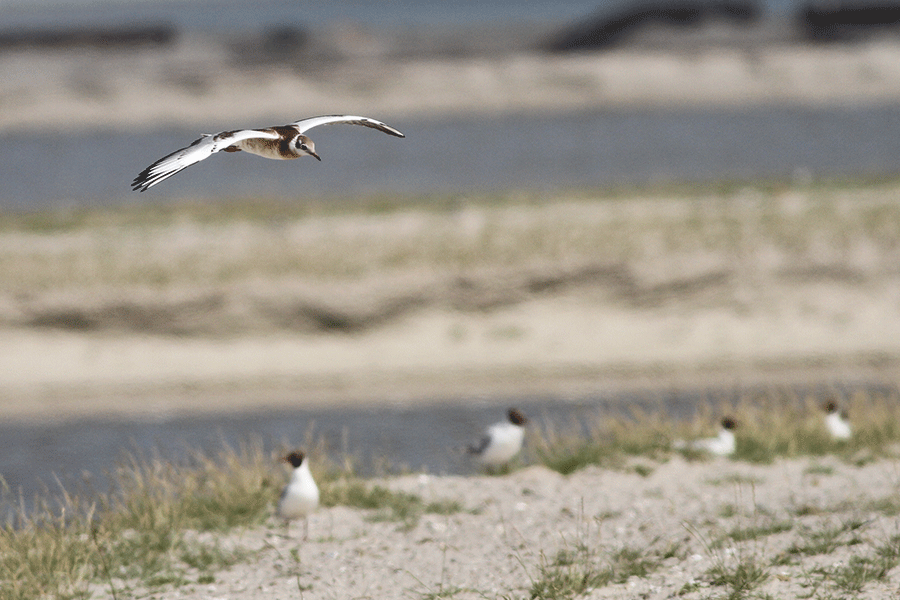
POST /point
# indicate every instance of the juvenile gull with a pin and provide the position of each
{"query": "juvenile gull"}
(502, 441)
(282, 142)
(301, 495)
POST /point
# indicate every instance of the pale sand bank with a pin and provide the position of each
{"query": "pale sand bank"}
(566, 346)
(570, 297)
(198, 84)
(664, 535)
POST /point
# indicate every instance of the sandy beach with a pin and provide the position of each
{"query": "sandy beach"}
(688, 530)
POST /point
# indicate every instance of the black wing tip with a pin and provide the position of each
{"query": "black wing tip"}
(141, 183)
(147, 178)
(387, 129)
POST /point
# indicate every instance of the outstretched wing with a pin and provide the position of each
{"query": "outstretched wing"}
(304, 125)
(199, 150)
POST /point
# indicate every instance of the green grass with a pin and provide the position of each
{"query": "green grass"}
(144, 533)
(819, 469)
(139, 532)
(580, 566)
(852, 577)
(860, 570)
(826, 539)
(889, 506)
(385, 505)
(609, 443)
(739, 579)
(570, 574)
(732, 479)
(774, 425)
(741, 534)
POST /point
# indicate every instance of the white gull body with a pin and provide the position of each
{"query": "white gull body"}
(724, 444)
(300, 496)
(502, 441)
(837, 423)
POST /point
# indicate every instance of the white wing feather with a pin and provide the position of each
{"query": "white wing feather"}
(304, 125)
(199, 150)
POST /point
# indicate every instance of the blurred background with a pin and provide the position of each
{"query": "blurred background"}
(491, 94)
(527, 118)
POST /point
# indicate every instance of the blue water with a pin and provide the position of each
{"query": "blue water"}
(235, 15)
(37, 459)
(225, 15)
(468, 154)
(429, 438)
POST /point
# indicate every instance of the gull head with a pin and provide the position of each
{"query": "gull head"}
(295, 458)
(516, 417)
(305, 145)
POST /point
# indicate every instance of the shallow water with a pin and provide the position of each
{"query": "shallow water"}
(593, 148)
(231, 15)
(429, 438)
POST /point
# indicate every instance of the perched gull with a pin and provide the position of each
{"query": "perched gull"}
(281, 142)
(721, 445)
(301, 495)
(837, 422)
(502, 441)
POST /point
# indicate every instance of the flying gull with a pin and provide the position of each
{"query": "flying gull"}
(282, 142)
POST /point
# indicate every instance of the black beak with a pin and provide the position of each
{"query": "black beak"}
(316, 156)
